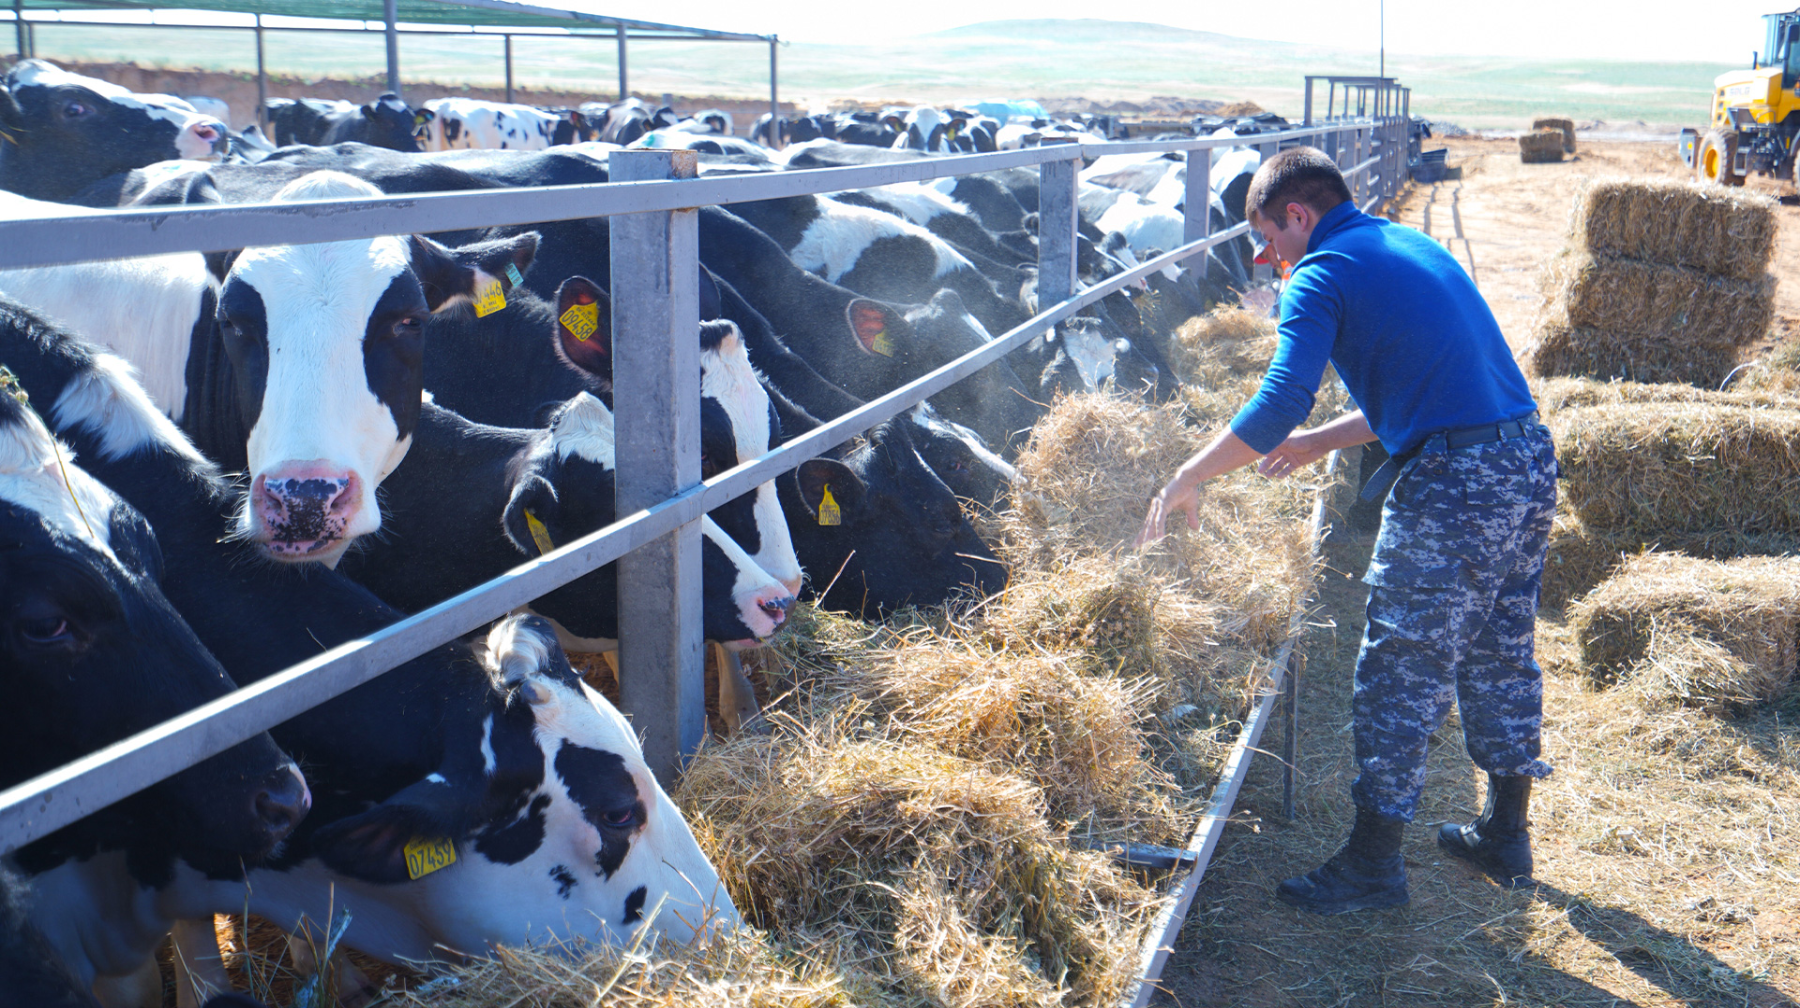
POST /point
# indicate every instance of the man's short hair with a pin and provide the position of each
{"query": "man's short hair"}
(1304, 175)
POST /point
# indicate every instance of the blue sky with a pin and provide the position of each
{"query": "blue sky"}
(1712, 30)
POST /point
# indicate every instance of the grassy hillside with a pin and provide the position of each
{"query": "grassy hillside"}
(1097, 60)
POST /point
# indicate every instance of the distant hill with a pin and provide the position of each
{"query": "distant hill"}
(1077, 63)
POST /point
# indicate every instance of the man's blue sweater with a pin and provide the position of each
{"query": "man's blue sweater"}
(1406, 329)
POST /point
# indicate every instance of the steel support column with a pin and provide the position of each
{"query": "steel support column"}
(774, 95)
(262, 79)
(509, 75)
(624, 79)
(656, 321)
(19, 27)
(1059, 208)
(1197, 203)
(389, 15)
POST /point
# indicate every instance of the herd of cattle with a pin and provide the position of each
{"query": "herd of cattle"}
(214, 466)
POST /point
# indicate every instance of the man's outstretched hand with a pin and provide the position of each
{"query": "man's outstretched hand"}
(1176, 497)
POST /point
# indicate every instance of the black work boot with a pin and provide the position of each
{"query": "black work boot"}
(1499, 843)
(1366, 874)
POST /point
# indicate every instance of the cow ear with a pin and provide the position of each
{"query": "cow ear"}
(219, 263)
(371, 846)
(876, 326)
(819, 476)
(533, 517)
(584, 325)
(454, 276)
(369, 111)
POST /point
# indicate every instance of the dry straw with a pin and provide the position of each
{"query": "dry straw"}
(1691, 469)
(1564, 126)
(1541, 146)
(1563, 393)
(1560, 349)
(1636, 624)
(1683, 305)
(1776, 373)
(1712, 228)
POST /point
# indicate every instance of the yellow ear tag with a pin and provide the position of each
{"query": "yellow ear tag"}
(582, 320)
(881, 344)
(539, 534)
(828, 509)
(426, 856)
(489, 298)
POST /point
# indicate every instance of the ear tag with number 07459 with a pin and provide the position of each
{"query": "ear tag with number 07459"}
(489, 298)
(426, 856)
(828, 509)
(582, 320)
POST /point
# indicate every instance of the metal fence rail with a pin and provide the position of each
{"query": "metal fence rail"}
(653, 250)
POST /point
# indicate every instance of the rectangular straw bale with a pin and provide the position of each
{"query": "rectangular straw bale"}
(1690, 469)
(1712, 228)
(1561, 349)
(1559, 393)
(1564, 126)
(1541, 146)
(1582, 556)
(1775, 373)
(1677, 303)
(1750, 606)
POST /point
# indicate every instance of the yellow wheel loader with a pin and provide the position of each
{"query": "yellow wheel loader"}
(1755, 113)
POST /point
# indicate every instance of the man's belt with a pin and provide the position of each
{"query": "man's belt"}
(1385, 477)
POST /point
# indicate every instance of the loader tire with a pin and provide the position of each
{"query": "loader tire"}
(1712, 163)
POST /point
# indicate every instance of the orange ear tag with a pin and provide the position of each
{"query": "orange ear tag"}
(829, 514)
(582, 320)
(489, 298)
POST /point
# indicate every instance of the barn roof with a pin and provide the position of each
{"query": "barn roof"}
(442, 14)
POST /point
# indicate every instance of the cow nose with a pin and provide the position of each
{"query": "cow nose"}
(282, 802)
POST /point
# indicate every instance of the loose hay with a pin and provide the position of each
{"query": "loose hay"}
(1560, 349)
(1690, 469)
(1712, 228)
(1776, 373)
(1682, 305)
(1561, 393)
(1566, 127)
(1636, 625)
(1541, 146)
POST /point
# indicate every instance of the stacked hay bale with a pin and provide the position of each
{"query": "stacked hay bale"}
(1541, 146)
(1660, 282)
(1564, 126)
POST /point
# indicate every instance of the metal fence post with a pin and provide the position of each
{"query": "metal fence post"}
(656, 322)
(509, 73)
(393, 46)
(624, 82)
(1059, 209)
(262, 80)
(1197, 202)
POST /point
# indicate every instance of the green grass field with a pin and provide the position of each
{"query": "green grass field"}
(1098, 60)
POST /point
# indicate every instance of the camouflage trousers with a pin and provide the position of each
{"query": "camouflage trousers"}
(1452, 614)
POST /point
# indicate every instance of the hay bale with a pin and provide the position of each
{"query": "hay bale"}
(1578, 559)
(1748, 608)
(1696, 470)
(1541, 146)
(1677, 304)
(1717, 229)
(1776, 373)
(1560, 393)
(1564, 126)
(1562, 350)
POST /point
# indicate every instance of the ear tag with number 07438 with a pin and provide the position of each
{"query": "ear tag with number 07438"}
(582, 320)
(489, 298)
(426, 856)
(828, 509)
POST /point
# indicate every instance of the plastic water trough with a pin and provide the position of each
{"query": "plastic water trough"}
(1283, 680)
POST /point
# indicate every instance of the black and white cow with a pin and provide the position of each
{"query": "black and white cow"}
(385, 122)
(475, 124)
(313, 379)
(385, 742)
(561, 834)
(60, 131)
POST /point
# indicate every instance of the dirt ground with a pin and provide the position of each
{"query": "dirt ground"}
(1668, 842)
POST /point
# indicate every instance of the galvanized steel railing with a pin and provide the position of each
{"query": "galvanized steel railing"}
(655, 314)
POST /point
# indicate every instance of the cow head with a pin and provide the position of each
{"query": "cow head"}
(326, 345)
(900, 532)
(960, 457)
(564, 490)
(92, 652)
(737, 420)
(61, 131)
(560, 830)
(395, 125)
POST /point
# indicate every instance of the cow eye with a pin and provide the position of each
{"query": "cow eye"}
(623, 818)
(46, 631)
(75, 110)
(411, 325)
